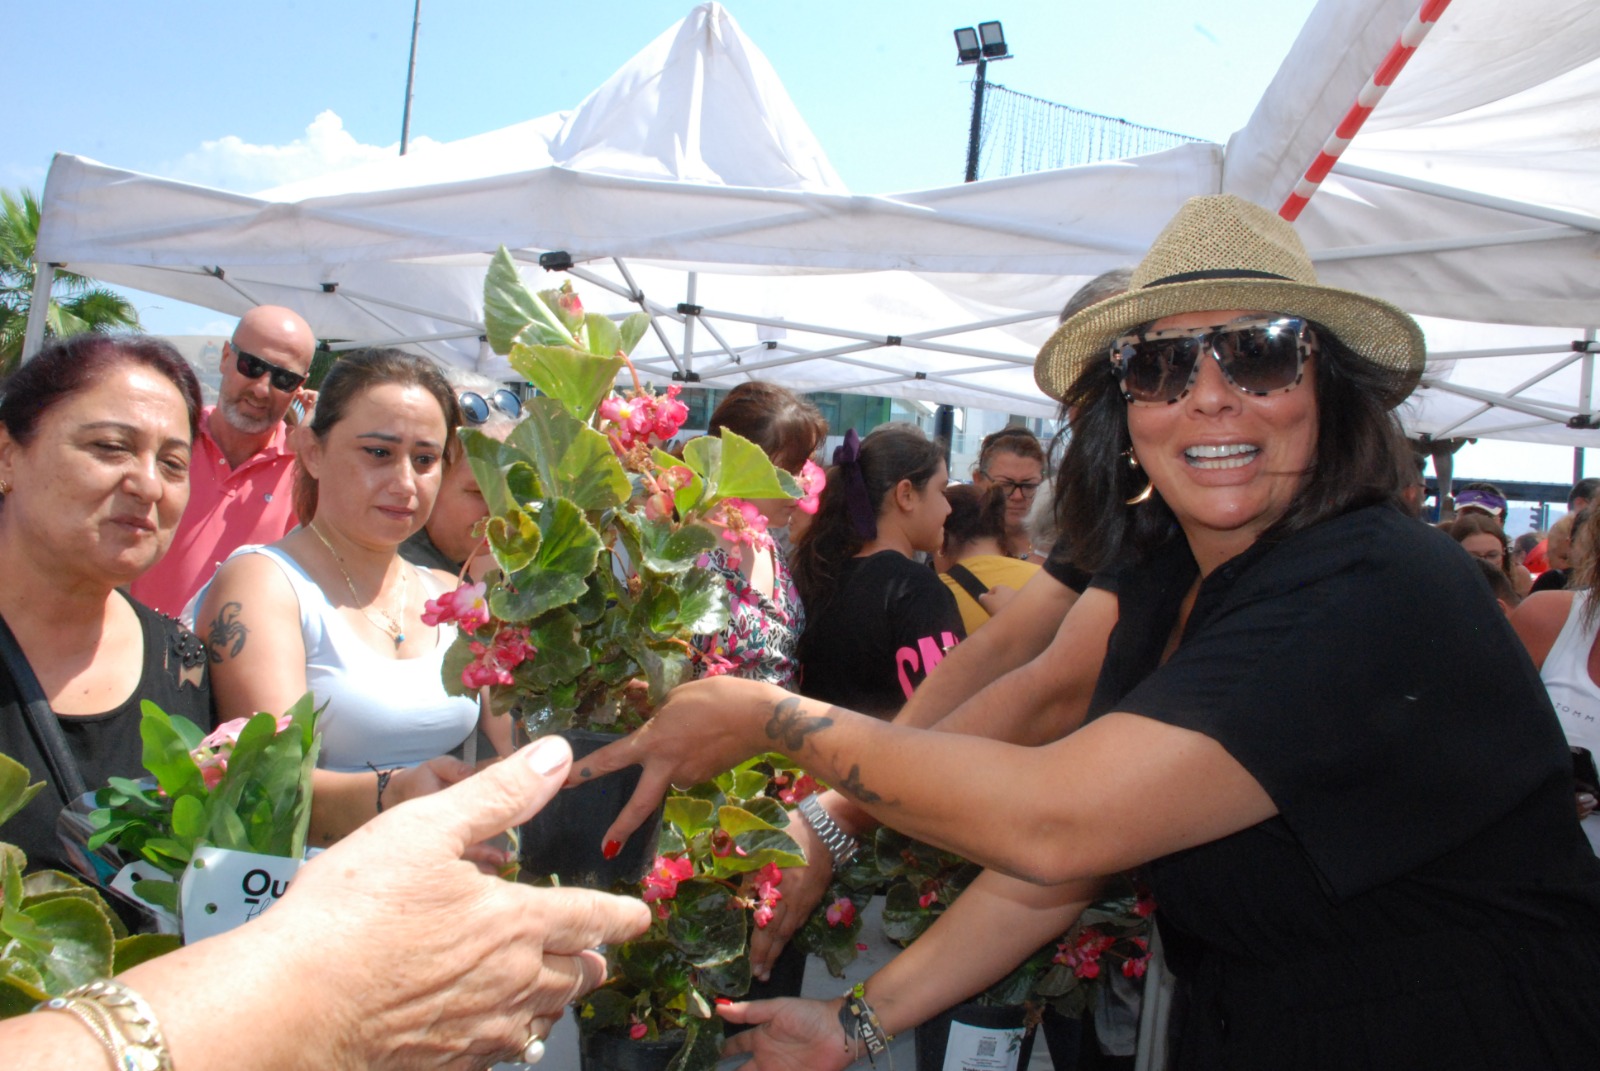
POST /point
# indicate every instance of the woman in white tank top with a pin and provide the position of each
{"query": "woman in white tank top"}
(1560, 629)
(332, 607)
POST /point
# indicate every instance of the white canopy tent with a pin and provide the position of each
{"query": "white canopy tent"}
(689, 185)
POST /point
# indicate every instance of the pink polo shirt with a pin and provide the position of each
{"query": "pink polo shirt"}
(228, 508)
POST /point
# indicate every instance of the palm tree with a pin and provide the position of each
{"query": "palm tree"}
(77, 303)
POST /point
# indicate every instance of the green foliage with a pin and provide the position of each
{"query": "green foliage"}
(262, 804)
(55, 931)
(77, 304)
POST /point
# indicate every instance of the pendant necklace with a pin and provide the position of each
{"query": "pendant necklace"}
(395, 630)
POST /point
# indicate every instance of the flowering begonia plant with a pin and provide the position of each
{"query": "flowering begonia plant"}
(1112, 934)
(717, 876)
(596, 529)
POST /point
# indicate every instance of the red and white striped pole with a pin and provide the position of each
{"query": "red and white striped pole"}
(1366, 100)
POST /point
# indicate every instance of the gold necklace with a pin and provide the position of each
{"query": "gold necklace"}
(395, 630)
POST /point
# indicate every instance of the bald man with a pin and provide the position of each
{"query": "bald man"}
(241, 476)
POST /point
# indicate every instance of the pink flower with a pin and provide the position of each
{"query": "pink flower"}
(494, 662)
(1144, 906)
(212, 766)
(768, 878)
(569, 307)
(1135, 968)
(669, 414)
(662, 881)
(225, 735)
(842, 912)
(763, 915)
(638, 1031)
(803, 786)
(1088, 968)
(466, 606)
(714, 665)
(928, 898)
(812, 480)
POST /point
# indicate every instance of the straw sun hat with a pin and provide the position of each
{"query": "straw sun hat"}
(1222, 252)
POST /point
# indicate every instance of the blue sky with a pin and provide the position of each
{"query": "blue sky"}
(249, 94)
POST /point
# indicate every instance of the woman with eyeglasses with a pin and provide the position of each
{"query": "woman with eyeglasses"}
(877, 621)
(1303, 717)
(1012, 460)
(1481, 536)
(334, 609)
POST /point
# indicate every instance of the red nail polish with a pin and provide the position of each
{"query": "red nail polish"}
(724, 1000)
(611, 849)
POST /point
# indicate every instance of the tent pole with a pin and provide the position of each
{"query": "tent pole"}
(44, 279)
(411, 75)
(688, 325)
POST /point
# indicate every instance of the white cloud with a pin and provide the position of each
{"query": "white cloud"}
(231, 163)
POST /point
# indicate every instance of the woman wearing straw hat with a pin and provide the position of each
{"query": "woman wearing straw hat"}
(1360, 859)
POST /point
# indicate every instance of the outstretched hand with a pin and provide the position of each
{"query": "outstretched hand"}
(789, 1035)
(704, 728)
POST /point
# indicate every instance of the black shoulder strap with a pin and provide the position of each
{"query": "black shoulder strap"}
(964, 576)
(41, 720)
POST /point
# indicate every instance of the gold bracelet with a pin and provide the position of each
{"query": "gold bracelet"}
(120, 1020)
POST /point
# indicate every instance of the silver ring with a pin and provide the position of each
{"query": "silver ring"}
(533, 1051)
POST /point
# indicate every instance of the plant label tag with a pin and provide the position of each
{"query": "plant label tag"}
(223, 888)
(982, 1048)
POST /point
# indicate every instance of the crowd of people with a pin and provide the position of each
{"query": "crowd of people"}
(1210, 641)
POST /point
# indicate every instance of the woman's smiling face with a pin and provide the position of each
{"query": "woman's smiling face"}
(1226, 463)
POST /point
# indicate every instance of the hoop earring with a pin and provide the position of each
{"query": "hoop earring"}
(1149, 488)
(5, 488)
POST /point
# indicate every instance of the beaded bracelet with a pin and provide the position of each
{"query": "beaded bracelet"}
(860, 1021)
(120, 1020)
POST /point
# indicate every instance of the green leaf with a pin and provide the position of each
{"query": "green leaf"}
(484, 454)
(669, 551)
(734, 467)
(572, 459)
(702, 1045)
(904, 920)
(632, 330)
(166, 753)
(161, 893)
(578, 381)
(15, 791)
(603, 337)
(559, 573)
(188, 818)
(703, 927)
(514, 537)
(142, 947)
(703, 603)
(689, 815)
(513, 313)
(82, 942)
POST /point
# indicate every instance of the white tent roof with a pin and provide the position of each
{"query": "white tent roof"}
(690, 181)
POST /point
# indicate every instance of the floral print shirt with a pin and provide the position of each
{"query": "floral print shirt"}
(763, 634)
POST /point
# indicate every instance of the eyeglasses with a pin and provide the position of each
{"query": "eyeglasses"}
(253, 367)
(1259, 356)
(1493, 557)
(1025, 488)
(477, 409)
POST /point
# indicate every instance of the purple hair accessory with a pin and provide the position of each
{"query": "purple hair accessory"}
(847, 456)
(1484, 500)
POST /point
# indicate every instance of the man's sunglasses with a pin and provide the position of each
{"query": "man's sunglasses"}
(253, 367)
(1259, 356)
(476, 409)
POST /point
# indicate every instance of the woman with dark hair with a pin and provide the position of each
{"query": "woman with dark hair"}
(1012, 460)
(95, 435)
(877, 621)
(767, 616)
(1320, 801)
(334, 609)
(972, 558)
(1561, 630)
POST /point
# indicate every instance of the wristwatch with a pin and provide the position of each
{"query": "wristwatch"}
(842, 847)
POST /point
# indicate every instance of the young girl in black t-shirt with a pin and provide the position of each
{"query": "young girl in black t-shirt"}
(877, 620)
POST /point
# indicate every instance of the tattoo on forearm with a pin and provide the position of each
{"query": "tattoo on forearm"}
(790, 727)
(852, 785)
(227, 634)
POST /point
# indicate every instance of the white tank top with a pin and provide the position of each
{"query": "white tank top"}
(384, 711)
(1573, 692)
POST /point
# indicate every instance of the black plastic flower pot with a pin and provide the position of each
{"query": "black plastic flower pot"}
(607, 1051)
(994, 1051)
(1064, 1035)
(565, 838)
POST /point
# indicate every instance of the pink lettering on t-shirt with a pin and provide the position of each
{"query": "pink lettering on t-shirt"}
(922, 658)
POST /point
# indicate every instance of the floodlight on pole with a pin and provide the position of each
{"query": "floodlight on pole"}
(979, 46)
